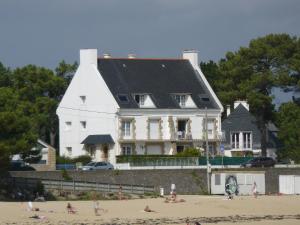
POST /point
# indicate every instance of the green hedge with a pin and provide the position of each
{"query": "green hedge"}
(84, 159)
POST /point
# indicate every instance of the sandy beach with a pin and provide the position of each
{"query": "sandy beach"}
(267, 210)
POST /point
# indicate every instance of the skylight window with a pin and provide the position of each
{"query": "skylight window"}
(123, 98)
(204, 98)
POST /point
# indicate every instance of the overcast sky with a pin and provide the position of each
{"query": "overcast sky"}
(45, 32)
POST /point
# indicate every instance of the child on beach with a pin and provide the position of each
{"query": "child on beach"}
(254, 190)
(70, 208)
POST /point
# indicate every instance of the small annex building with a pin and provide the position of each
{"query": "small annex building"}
(242, 136)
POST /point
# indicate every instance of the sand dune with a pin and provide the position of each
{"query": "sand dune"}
(267, 210)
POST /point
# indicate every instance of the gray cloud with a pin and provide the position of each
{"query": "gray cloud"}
(44, 32)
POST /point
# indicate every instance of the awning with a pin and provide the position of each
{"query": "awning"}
(98, 139)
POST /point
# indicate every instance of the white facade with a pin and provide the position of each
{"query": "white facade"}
(89, 108)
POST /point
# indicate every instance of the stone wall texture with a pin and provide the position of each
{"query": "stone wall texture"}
(187, 181)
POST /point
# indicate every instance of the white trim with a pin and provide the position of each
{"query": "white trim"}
(197, 68)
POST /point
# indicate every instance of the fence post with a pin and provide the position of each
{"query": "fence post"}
(108, 187)
(131, 189)
(73, 185)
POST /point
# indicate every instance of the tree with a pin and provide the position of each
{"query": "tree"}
(18, 132)
(251, 72)
(288, 122)
(212, 74)
(5, 78)
(66, 71)
(43, 89)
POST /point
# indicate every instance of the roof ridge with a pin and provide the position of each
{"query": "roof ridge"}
(175, 59)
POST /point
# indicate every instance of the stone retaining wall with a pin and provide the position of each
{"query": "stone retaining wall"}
(187, 181)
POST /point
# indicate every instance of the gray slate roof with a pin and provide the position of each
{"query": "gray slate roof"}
(242, 120)
(98, 139)
(157, 77)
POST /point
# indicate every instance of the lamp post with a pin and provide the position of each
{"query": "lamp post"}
(207, 149)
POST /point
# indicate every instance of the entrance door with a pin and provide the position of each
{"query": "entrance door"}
(104, 153)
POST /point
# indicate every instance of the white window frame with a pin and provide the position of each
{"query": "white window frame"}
(247, 143)
(234, 143)
(126, 149)
(141, 99)
(181, 99)
(126, 128)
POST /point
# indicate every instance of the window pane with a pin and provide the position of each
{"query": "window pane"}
(217, 179)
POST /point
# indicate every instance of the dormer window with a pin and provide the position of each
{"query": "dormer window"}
(144, 100)
(181, 100)
(140, 100)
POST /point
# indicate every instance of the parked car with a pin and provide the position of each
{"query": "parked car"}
(97, 166)
(259, 162)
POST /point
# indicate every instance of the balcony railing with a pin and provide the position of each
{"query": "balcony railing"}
(182, 135)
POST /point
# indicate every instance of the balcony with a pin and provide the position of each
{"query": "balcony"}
(183, 135)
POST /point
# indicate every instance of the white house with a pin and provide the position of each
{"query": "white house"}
(124, 106)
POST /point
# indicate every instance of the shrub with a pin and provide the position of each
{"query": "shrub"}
(189, 152)
(65, 175)
(63, 160)
(84, 159)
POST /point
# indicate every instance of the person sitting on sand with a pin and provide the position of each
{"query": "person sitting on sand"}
(173, 195)
(173, 200)
(147, 209)
(70, 208)
(31, 208)
(38, 217)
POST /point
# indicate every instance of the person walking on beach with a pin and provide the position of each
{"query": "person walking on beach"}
(254, 190)
(96, 208)
(120, 193)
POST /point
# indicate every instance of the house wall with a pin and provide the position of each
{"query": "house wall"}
(142, 118)
(98, 110)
